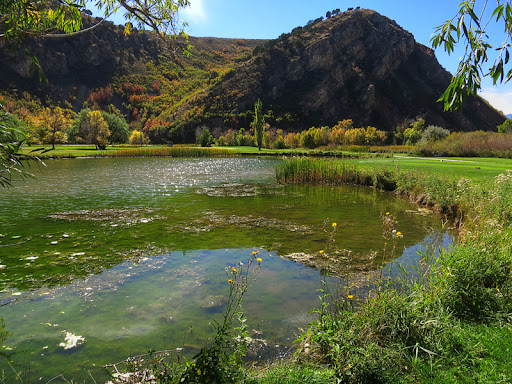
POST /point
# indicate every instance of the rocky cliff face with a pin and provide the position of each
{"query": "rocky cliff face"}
(358, 65)
(77, 64)
(74, 62)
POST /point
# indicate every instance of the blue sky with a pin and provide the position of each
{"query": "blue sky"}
(267, 19)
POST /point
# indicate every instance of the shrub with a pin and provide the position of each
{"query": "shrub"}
(355, 136)
(433, 132)
(321, 136)
(506, 127)
(474, 144)
(279, 143)
(137, 138)
(307, 139)
(412, 136)
(292, 140)
(337, 136)
(374, 136)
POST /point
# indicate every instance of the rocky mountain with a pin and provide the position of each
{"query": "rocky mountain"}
(89, 59)
(357, 65)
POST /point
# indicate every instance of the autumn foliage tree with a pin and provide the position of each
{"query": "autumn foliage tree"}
(50, 126)
(96, 129)
(80, 130)
(118, 127)
(137, 138)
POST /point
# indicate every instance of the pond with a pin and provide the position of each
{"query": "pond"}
(130, 255)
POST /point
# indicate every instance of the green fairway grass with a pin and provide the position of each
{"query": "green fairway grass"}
(474, 168)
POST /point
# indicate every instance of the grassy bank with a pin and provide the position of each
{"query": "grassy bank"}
(452, 324)
(177, 151)
(474, 168)
(72, 151)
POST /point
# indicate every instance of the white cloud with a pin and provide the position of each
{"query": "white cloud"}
(195, 12)
(499, 99)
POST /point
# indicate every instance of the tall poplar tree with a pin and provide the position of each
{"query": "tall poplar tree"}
(259, 123)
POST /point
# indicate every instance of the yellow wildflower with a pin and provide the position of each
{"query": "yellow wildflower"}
(234, 269)
(334, 225)
(350, 296)
(230, 281)
(258, 259)
(399, 234)
(387, 213)
(321, 251)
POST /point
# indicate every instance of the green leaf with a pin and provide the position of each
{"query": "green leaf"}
(498, 12)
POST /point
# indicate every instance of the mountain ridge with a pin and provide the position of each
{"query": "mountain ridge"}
(355, 65)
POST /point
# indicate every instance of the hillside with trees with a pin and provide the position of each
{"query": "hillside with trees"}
(355, 65)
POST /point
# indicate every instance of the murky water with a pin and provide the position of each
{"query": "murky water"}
(130, 254)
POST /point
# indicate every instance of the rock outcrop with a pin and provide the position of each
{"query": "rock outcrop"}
(357, 65)
(74, 63)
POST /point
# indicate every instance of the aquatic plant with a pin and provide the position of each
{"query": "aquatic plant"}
(72, 341)
(304, 170)
(424, 188)
(220, 361)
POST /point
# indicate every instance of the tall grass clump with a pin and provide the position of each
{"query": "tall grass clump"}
(470, 144)
(411, 331)
(167, 151)
(388, 335)
(304, 170)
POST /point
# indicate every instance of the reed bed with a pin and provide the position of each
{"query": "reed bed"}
(168, 152)
(305, 170)
(427, 189)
